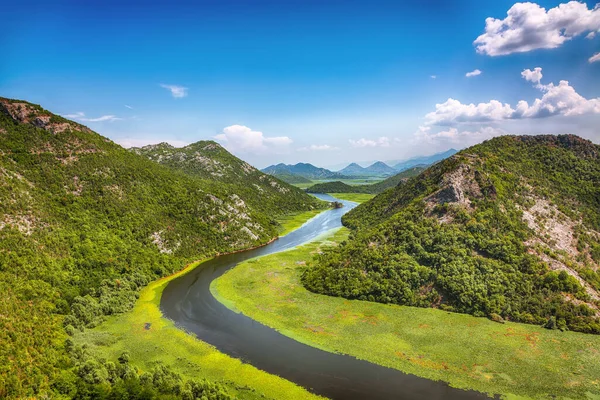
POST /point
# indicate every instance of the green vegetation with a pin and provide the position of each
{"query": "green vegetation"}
(372, 188)
(468, 352)
(208, 160)
(505, 229)
(145, 334)
(305, 170)
(85, 224)
(355, 197)
(293, 179)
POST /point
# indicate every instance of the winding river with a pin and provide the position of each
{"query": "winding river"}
(188, 301)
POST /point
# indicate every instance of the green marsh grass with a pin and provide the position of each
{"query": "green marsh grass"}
(515, 360)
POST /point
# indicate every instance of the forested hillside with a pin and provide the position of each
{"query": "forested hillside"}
(84, 224)
(507, 229)
(373, 188)
(207, 160)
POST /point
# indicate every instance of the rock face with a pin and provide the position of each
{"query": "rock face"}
(28, 113)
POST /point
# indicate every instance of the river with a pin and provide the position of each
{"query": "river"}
(187, 301)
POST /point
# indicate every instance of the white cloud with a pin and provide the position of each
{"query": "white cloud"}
(76, 115)
(383, 141)
(453, 111)
(528, 27)
(241, 139)
(433, 76)
(131, 108)
(561, 99)
(473, 73)
(81, 117)
(452, 136)
(176, 91)
(318, 147)
(534, 76)
(594, 58)
(591, 35)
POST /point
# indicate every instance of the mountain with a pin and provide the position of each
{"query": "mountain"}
(305, 170)
(374, 188)
(381, 169)
(378, 169)
(508, 229)
(292, 179)
(424, 160)
(353, 170)
(209, 161)
(85, 223)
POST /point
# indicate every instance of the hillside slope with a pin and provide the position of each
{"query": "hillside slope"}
(304, 170)
(84, 224)
(507, 229)
(208, 160)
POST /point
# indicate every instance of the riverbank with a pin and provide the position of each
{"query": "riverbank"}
(291, 222)
(151, 339)
(515, 360)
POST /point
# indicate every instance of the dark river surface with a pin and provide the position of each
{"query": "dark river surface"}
(188, 302)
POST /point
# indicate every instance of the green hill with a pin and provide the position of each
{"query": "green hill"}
(507, 229)
(373, 188)
(292, 179)
(209, 161)
(85, 223)
(304, 170)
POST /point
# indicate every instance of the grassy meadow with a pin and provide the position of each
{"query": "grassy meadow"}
(356, 197)
(514, 360)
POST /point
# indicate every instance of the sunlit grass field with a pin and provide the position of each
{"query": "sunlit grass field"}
(515, 360)
(356, 197)
(354, 182)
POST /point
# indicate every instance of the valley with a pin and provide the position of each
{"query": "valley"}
(94, 236)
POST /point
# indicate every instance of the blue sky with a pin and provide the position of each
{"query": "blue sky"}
(326, 82)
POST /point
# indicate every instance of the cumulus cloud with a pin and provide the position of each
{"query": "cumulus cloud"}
(380, 142)
(561, 99)
(529, 26)
(534, 76)
(591, 35)
(241, 139)
(594, 58)
(79, 116)
(452, 111)
(453, 136)
(317, 147)
(433, 76)
(473, 73)
(176, 91)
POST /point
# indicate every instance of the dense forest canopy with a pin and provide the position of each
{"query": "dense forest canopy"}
(507, 229)
(84, 224)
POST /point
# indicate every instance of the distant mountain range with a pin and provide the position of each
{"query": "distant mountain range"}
(424, 160)
(376, 169)
(294, 173)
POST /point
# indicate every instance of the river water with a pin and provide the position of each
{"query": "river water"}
(188, 302)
